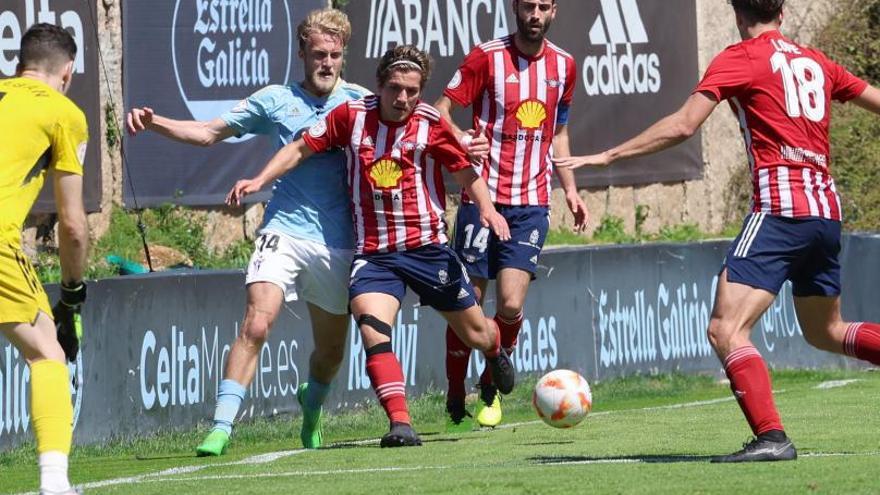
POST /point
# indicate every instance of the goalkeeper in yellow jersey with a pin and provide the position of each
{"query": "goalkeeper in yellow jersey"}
(42, 131)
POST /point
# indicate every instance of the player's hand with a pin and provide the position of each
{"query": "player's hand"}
(68, 318)
(138, 119)
(495, 221)
(579, 209)
(476, 144)
(573, 162)
(241, 189)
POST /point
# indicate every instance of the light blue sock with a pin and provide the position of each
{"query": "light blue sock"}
(229, 399)
(316, 394)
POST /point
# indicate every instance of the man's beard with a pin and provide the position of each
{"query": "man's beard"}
(525, 30)
(323, 85)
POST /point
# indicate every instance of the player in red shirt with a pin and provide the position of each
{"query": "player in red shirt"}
(781, 93)
(396, 147)
(520, 89)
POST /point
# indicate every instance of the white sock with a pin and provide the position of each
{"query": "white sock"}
(53, 472)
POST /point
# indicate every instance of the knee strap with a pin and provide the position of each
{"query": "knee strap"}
(377, 324)
(381, 327)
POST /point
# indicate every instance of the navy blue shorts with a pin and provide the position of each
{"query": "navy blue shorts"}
(433, 272)
(484, 255)
(772, 249)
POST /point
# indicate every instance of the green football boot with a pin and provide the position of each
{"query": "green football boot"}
(214, 444)
(310, 434)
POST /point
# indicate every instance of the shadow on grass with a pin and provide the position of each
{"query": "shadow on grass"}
(648, 459)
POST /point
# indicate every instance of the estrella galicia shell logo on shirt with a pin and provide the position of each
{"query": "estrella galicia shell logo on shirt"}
(224, 50)
(386, 173)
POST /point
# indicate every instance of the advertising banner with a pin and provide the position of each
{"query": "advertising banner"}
(636, 59)
(156, 345)
(77, 17)
(195, 60)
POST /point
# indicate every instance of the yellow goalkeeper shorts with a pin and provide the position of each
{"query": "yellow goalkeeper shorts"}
(21, 293)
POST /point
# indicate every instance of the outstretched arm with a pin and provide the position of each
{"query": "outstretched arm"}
(285, 160)
(200, 133)
(478, 191)
(665, 133)
(869, 99)
(576, 205)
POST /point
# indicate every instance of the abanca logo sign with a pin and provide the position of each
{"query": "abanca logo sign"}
(619, 70)
(224, 50)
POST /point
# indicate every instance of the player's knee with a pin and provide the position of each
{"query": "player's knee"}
(720, 333)
(369, 326)
(510, 309)
(255, 331)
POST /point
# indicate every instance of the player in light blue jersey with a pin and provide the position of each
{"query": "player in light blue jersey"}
(305, 245)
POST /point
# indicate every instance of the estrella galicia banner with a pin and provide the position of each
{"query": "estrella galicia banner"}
(636, 59)
(195, 60)
(602, 311)
(76, 16)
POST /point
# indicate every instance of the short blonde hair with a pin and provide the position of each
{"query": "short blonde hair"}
(326, 21)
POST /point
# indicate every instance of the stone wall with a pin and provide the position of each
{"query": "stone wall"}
(710, 202)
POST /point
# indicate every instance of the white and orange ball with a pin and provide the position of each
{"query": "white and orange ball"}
(562, 398)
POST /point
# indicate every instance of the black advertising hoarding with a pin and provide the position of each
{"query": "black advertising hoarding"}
(194, 60)
(637, 62)
(604, 312)
(16, 16)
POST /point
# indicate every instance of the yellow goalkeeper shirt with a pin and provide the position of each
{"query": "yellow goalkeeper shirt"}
(40, 129)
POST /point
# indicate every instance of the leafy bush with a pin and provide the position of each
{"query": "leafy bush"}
(852, 38)
(168, 225)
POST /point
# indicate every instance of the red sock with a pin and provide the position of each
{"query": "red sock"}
(458, 355)
(509, 329)
(486, 376)
(862, 341)
(387, 379)
(750, 383)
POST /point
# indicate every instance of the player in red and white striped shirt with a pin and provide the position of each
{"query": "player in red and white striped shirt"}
(396, 147)
(781, 92)
(520, 88)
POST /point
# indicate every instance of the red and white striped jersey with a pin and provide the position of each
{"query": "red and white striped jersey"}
(781, 92)
(394, 176)
(519, 100)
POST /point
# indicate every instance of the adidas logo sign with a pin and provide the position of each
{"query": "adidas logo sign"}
(368, 141)
(512, 79)
(462, 294)
(620, 72)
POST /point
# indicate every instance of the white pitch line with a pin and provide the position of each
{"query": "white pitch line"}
(836, 383)
(253, 460)
(285, 474)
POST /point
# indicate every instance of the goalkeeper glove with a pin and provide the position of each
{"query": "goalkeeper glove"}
(68, 318)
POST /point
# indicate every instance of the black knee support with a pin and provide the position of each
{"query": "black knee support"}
(381, 327)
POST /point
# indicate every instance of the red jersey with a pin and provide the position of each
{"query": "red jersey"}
(519, 100)
(394, 177)
(781, 92)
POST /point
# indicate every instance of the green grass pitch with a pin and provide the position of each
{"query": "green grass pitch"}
(646, 435)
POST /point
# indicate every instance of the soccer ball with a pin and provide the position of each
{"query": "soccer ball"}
(562, 398)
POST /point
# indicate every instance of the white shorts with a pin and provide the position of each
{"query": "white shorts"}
(302, 269)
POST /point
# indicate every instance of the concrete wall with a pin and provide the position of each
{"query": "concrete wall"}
(710, 202)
